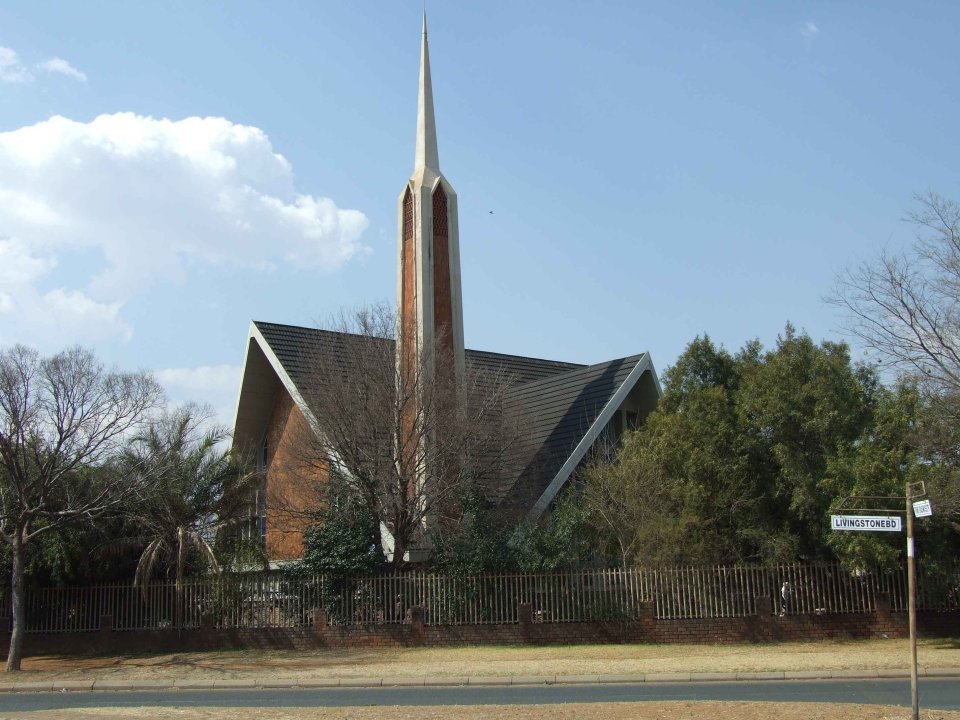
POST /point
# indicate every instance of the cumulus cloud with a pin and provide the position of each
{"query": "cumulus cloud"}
(148, 199)
(61, 66)
(809, 30)
(211, 385)
(12, 70)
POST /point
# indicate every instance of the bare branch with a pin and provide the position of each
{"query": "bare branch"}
(410, 444)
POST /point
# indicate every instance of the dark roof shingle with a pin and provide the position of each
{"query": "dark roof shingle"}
(555, 403)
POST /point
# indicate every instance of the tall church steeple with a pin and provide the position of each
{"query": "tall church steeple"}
(426, 154)
(429, 301)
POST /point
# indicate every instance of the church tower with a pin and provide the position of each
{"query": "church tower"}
(429, 301)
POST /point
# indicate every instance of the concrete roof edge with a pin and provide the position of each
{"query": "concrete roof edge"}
(288, 384)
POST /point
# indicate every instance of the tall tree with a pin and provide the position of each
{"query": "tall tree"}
(800, 406)
(905, 307)
(63, 420)
(409, 445)
(732, 466)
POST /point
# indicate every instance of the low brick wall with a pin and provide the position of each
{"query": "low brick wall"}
(764, 627)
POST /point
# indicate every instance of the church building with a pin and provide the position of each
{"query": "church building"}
(568, 410)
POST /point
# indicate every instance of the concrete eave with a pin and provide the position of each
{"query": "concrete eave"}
(263, 376)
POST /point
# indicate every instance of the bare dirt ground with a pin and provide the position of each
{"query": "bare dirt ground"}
(497, 660)
(597, 711)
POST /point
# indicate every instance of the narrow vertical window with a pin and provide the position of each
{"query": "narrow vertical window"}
(442, 300)
(408, 310)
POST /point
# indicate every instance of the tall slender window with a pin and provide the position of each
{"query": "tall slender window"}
(408, 311)
(442, 300)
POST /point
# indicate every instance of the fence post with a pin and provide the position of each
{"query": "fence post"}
(646, 614)
(106, 624)
(525, 616)
(881, 608)
(320, 622)
(417, 635)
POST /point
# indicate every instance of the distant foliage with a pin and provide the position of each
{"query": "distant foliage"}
(748, 454)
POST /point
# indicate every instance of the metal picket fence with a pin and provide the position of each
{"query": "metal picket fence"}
(281, 601)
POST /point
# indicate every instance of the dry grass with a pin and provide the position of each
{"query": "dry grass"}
(492, 661)
(592, 711)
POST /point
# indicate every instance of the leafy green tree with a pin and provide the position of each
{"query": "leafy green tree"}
(702, 365)
(345, 542)
(474, 544)
(733, 466)
(560, 539)
(802, 405)
(877, 464)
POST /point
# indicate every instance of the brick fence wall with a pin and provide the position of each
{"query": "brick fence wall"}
(763, 627)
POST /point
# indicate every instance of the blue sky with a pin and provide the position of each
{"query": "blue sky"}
(629, 175)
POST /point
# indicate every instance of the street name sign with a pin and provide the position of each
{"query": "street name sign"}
(921, 508)
(869, 523)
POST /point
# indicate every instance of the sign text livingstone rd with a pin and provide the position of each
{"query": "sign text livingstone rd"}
(869, 523)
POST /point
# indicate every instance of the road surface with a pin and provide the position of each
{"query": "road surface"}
(943, 694)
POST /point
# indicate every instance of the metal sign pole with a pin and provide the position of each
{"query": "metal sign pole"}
(912, 605)
(890, 524)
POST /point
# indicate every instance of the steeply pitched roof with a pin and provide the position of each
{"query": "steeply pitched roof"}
(557, 413)
(296, 346)
(560, 407)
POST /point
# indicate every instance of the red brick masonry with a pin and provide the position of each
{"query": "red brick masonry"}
(764, 627)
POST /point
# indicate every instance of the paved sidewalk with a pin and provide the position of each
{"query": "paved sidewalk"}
(437, 681)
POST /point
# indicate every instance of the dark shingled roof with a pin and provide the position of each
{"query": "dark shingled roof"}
(295, 346)
(556, 412)
(555, 402)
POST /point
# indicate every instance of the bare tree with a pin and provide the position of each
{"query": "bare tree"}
(906, 308)
(63, 420)
(409, 444)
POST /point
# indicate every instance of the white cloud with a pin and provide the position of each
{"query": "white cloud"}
(11, 69)
(147, 199)
(809, 30)
(59, 314)
(211, 385)
(215, 378)
(61, 66)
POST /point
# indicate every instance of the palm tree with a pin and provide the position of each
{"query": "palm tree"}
(201, 491)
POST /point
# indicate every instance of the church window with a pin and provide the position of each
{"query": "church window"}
(443, 301)
(407, 300)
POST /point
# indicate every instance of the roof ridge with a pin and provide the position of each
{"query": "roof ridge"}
(526, 357)
(304, 328)
(324, 331)
(582, 368)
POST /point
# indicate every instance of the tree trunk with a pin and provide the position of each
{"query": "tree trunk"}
(16, 604)
(399, 550)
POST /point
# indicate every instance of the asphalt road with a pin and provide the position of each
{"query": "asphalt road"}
(941, 694)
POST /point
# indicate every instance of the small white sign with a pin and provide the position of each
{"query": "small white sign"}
(867, 523)
(921, 508)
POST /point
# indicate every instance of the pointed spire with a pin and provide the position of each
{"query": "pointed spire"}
(426, 155)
